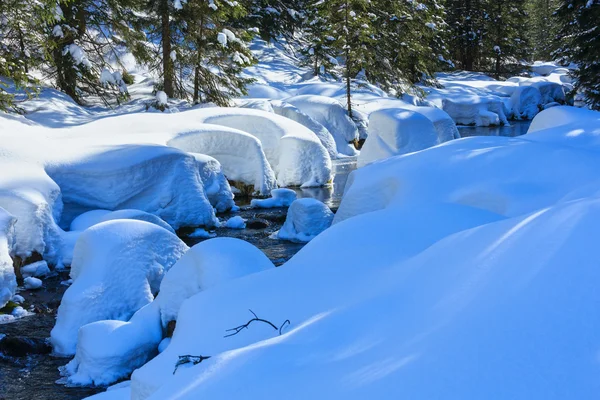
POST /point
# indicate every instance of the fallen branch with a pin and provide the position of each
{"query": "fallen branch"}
(189, 359)
(238, 329)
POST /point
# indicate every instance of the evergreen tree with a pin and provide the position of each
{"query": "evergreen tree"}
(542, 26)
(506, 42)
(212, 50)
(274, 18)
(318, 36)
(578, 42)
(21, 44)
(467, 20)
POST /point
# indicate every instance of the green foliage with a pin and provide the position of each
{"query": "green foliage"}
(542, 27)
(578, 41)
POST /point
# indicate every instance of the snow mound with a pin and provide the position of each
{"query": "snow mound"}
(206, 265)
(8, 281)
(279, 198)
(294, 151)
(526, 102)
(236, 222)
(95, 217)
(551, 92)
(306, 218)
(332, 115)
(479, 111)
(110, 350)
(396, 131)
(117, 269)
(240, 154)
(543, 68)
(262, 91)
(36, 269)
(289, 111)
(157, 179)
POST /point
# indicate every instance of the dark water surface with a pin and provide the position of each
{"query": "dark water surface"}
(516, 128)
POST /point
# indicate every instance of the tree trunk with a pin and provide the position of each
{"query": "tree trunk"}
(166, 48)
(348, 61)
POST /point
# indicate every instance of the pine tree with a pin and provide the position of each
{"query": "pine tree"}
(274, 18)
(21, 44)
(212, 50)
(466, 21)
(507, 41)
(542, 26)
(578, 42)
(318, 39)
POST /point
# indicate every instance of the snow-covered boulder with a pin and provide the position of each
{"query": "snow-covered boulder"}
(396, 131)
(240, 154)
(95, 217)
(332, 115)
(206, 265)
(306, 218)
(526, 102)
(117, 269)
(8, 281)
(476, 110)
(294, 151)
(551, 92)
(110, 350)
(157, 179)
(543, 68)
(289, 111)
(443, 123)
(279, 198)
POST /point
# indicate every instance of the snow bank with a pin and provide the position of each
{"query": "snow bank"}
(543, 68)
(289, 111)
(117, 269)
(332, 115)
(279, 198)
(294, 151)
(306, 218)
(526, 102)
(95, 217)
(8, 281)
(240, 154)
(142, 177)
(110, 350)
(396, 131)
(481, 111)
(551, 92)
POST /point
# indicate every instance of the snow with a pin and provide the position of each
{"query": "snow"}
(240, 154)
(332, 115)
(306, 218)
(468, 283)
(32, 283)
(8, 282)
(526, 102)
(294, 152)
(162, 98)
(95, 217)
(36, 269)
(289, 111)
(543, 68)
(236, 222)
(396, 131)
(279, 198)
(117, 269)
(201, 233)
(110, 350)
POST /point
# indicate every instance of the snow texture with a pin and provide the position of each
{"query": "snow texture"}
(306, 218)
(117, 269)
(279, 198)
(8, 282)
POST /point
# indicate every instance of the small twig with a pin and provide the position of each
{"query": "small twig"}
(189, 359)
(238, 329)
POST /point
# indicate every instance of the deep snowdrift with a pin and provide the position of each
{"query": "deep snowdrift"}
(8, 282)
(469, 283)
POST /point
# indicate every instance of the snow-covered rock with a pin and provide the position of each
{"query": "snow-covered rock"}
(95, 217)
(36, 269)
(236, 222)
(294, 151)
(306, 218)
(526, 102)
(117, 269)
(543, 68)
(8, 282)
(396, 131)
(479, 111)
(32, 283)
(289, 111)
(279, 198)
(240, 154)
(551, 92)
(110, 350)
(332, 115)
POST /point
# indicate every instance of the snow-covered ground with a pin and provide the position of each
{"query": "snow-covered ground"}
(470, 264)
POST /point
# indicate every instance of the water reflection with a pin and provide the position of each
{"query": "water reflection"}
(516, 128)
